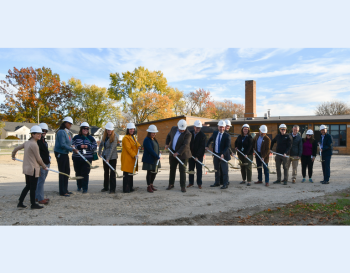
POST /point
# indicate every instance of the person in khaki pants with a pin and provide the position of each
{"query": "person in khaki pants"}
(295, 152)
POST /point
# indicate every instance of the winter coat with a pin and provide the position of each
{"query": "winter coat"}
(79, 140)
(247, 144)
(63, 142)
(197, 144)
(44, 151)
(314, 147)
(31, 160)
(327, 149)
(182, 144)
(129, 151)
(149, 155)
(297, 145)
(284, 143)
(110, 151)
(265, 147)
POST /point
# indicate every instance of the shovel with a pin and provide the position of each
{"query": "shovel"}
(156, 170)
(319, 146)
(70, 177)
(213, 171)
(231, 166)
(137, 157)
(264, 162)
(239, 161)
(116, 174)
(291, 158)
(87, 161)
(189, 172)
(255, 166)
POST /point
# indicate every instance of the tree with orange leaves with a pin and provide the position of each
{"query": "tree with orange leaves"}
(227, 109)
(29, 90)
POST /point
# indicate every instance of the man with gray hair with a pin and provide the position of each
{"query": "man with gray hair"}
(296, 151)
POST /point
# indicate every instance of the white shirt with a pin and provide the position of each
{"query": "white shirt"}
(176, 137)
(217, 142)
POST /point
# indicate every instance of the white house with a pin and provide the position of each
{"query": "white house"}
(22, 131)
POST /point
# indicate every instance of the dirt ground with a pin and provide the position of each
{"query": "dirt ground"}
(208, 206)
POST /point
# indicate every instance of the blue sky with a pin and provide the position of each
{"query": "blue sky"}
(289, 81)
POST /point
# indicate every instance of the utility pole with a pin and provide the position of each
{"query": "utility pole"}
(38, 114)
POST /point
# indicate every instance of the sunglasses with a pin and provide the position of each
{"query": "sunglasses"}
(44, 131)
(85, 128)
(282, 129)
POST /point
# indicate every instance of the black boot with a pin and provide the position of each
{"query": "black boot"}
(36, 206)
(21, 205)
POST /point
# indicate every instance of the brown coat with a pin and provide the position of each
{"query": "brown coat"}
(265, 147)
(31, 160)
(182, 144)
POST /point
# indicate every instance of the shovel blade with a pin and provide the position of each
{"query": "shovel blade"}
(190, 172)
(133, 173)
(94, 167)
(76, 178)
(243, 164)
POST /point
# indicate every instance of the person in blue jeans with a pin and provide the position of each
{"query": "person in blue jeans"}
(261, 144)
(326, 148)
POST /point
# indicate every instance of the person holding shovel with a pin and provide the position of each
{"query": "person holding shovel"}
(86, 145)
(150, 157)
(129, 157)
(261, 144)
(244, 143)
(31, 166)
(309, 155)
(326, 149)
(108, 150)
(62, 149)
(178, 141)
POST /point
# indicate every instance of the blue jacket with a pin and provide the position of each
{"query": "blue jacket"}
(225, 144)
(79, 140)
(149, 155)
(63, 142)
(327, 145)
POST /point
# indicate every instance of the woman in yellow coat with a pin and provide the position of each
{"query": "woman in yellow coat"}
(130, 147)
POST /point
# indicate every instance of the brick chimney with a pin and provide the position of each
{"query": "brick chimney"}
(250, 99)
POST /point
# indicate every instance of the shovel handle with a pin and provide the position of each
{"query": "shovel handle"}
(217, 156)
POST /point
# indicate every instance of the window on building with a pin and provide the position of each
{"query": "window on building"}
(48, 137)
(254, 128)
(337, 131)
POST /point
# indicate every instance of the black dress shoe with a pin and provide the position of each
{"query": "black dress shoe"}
(21, 206)
(36, 206)
(224, 187)
(103, 190)
(69, 192)
(215, 185)
(170, 187)
(325, 182)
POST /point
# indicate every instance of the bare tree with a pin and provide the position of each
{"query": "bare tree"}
(330, 108)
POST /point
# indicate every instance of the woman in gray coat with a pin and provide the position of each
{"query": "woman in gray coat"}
(109, 146)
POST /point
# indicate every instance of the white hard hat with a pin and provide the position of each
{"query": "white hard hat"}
(198, 123)
(228, 122)
(263, 129)
(109, 126)
(310, 132)
(36, 129)
(282, 126)
(245, 125)
(182, 124)
(222, 123)
(322, 127)
(130, 126)
(152, 129)
(68, 119)
(44, 126)
(84, 124)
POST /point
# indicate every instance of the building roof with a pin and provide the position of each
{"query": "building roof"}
(177, 117)
(291, 119)
(14, 126)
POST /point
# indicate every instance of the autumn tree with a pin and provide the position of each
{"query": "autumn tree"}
(331, 108)
(198, 103)
(92, 104)
(178, 101)
(29, 90)
(227, 109)
(2, 125)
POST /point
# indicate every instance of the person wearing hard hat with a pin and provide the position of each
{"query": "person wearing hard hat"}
(130, 146)
(150, 156)
(244, 143)
(31, 166)
(108, 150)
(295, 152)
(45, 156)
(228, 125)
(309, 154)
(197, 146)
(221, 146)
(178, 141)
(284, 144)
(326, 148)
(261, 144)
(86, 145)
(63, 146)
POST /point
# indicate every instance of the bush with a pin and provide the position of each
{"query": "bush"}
(12, 137)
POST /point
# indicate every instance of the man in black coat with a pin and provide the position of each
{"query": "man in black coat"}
(221, 146)
(326, 148)
(197, 147)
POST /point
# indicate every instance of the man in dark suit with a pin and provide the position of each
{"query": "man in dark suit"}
(221, 144)
(178, 140)
(197, 147)
(326, 145)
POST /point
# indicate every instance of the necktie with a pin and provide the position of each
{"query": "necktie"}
(219, 142)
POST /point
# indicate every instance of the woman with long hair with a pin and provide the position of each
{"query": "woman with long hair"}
(130, 147)
(31, 166)
(86, 145)
(244, 143)
(108, 150)
(150, 156)
(309, 154)
(62, 148)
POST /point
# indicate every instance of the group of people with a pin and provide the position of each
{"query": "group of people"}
(185, 149)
